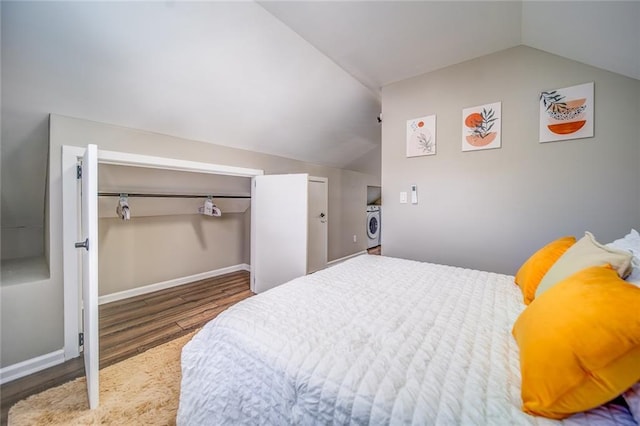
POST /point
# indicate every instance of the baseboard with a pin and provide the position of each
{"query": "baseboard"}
(342, 259)
(30, 366)
(113, 297)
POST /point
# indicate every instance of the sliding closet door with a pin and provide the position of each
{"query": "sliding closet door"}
(89, 247)
(278, 229)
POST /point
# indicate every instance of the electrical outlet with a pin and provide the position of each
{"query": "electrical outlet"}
(355, 239)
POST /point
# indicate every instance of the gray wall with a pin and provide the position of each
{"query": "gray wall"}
(491, 209)
(151, 250)
(368, 163)
(32, 313)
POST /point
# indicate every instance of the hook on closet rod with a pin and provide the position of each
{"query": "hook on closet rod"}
(122, 209)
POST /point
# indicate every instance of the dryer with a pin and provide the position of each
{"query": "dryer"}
(373, 226)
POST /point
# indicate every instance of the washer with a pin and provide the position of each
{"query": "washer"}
(373, 226)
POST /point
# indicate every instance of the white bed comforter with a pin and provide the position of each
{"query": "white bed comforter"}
(374, 340)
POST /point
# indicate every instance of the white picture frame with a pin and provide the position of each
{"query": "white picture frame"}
(566, 113)
(482, 127)
(421, 136)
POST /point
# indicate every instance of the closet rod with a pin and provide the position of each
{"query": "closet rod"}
(132, 194)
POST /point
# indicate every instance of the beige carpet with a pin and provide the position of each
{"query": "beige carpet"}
(140, 390)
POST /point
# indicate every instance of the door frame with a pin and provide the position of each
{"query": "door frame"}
(71, 219)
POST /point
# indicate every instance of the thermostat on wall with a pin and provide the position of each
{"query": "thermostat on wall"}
(414, 194)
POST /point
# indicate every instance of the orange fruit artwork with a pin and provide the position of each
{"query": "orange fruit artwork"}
(569, 119)
(421, 124)
(473, 120)
(567, 128)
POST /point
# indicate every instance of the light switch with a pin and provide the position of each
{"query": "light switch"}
(403, 197)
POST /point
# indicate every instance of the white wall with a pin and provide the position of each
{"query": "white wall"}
(32, 313)
(491, 209)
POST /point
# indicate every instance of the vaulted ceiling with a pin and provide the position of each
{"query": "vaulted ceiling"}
(295, 79)
(387, 41)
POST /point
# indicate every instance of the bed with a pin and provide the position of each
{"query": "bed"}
(373, 340)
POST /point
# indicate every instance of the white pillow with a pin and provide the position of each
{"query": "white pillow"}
(632, 397)
(586, 252)
(630, 243)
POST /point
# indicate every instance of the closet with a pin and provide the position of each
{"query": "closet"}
(289, 228)
(164, 238)
(80, 211)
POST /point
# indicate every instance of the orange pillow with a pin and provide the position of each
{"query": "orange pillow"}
(579, 343)
(531, 272)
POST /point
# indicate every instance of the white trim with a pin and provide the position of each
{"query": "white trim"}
(30, 366)
(148, 161)
(71, 220)
(113, 297)
(342, 259)
(318, 179)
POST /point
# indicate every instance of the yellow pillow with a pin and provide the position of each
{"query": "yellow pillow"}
(579, 343)
(531, 272)
(583, 254)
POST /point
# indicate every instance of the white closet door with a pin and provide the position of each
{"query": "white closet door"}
(278, 229)
(89, 247)
(318, 224)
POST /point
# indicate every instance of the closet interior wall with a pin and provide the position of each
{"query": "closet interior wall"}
(166, 238)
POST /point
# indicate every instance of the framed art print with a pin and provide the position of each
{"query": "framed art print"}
(566, 113)
(421, 136)
(482, 127)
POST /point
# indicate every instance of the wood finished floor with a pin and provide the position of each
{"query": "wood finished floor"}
(130, 327)
(377, 250)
